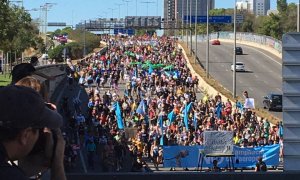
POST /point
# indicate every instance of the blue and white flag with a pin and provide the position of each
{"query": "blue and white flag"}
(219, 110)
(119, 116)
(171, 116)
(186, 115)
(142, 110)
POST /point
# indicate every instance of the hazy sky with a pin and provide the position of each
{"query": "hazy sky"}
(74, 11)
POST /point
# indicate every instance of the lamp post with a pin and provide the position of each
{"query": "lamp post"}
(191, 46)
(147, 4)
(46, 8)
(182, 3)
(112, 12)
(234, 53)
(126, 1)
(196, 23)
(119, 9)
(207, 40)
(298, 17)
(186, 30)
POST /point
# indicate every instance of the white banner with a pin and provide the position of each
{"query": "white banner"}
(249, 103)
(218, 142)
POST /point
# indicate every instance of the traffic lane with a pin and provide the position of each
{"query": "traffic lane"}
(260, 72)
(263, 71)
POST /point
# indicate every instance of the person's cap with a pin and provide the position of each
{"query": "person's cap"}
(20, 71)
(23, 107)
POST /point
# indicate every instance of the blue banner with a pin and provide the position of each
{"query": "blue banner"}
(188, 156)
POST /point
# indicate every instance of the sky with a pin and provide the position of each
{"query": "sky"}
(75, 11)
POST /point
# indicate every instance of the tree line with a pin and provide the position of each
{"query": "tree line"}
(274, 25)
(17, 30)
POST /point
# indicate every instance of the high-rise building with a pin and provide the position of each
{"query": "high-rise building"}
(257, 7)
(175, 10)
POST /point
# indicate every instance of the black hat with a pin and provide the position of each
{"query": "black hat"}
(20, 71)
(22, 107)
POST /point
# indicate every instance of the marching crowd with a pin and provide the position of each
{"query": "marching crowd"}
(159, 106)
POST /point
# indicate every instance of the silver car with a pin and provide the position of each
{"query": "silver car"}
(239, 66)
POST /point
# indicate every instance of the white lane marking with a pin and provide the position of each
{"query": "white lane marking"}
(279, 89)
(255, 75)
(265, 55)
(251, 89)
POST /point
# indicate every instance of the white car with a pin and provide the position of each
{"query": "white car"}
(239, 66)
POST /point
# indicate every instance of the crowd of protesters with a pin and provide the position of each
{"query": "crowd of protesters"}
(159, 104)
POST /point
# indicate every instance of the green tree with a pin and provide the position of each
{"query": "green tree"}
(282, 6)
(56, 53)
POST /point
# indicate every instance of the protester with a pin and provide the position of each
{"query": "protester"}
(260, 165)
(159, 101)
(20, 137)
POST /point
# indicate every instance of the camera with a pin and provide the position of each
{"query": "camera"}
(41, 144)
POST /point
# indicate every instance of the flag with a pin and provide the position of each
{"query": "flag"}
(219, 110)
(186, 115)
(239, 105)
(150, 70)
(171, 116)
(119, 116)
(142, 109)
(161, 124)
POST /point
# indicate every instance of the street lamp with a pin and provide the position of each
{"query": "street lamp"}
(298, 18)
(112, 12)
(46, 7)
(187, 20)
(234, 54)
(196, 23)
(207, 40)
(126, 1)
(119, 9)
(147, 2)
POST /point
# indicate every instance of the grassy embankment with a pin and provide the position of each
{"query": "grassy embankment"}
(4, 79)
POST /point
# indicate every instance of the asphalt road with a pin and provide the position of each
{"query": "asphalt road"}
(263, 70)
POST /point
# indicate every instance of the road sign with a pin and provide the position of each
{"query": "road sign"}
(57, 24)
(211, 19)
(130, 32)
(143, 22)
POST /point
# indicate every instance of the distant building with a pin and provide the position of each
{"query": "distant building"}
(257, 7)
(175, 10)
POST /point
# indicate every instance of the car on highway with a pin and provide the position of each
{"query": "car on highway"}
(239, 66)
(216, 42)
(273, 101)
(238, 51)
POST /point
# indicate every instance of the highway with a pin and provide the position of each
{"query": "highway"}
(263, 70)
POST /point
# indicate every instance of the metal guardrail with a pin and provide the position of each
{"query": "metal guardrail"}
(245, 36)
